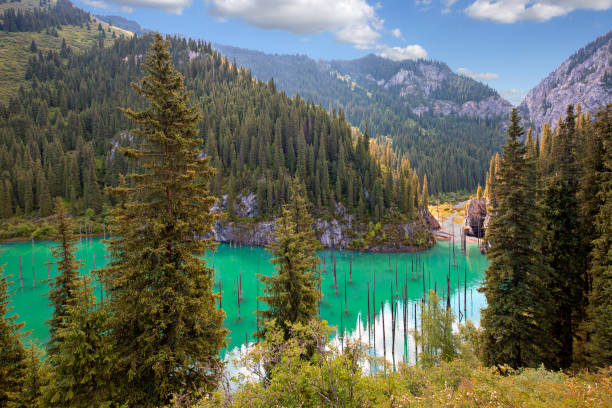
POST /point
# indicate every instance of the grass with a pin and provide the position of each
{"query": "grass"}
(15, 47)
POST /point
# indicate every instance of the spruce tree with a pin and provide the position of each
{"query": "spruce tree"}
(292, 292)
(165, 327)
(81, 364)
(12, 353)
(62, 286)
(562, 246)
(34, 377)
(514, 322)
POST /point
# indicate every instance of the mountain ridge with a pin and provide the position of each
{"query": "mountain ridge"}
(584, 78)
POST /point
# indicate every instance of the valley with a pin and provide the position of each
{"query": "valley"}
(190, 224)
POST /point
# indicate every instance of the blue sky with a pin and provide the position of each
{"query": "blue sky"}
(509, 44)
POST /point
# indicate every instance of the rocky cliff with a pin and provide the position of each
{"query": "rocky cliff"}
(585, 78)
(339, 230)
(475, 217)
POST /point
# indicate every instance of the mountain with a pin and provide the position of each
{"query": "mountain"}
(446, 124)
(124, 23)
(585, 78)
(424, 86)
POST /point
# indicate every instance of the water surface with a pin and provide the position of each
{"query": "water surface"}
(241, 264)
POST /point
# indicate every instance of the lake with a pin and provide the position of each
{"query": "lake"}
(378, 271)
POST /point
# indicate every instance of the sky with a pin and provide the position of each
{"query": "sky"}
(511, 45)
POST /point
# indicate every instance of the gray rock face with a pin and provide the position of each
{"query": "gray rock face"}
(338, 232)
(422, 80)
(585, 78)
(475, 217)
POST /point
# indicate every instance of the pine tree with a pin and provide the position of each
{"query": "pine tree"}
(12, 353)
(166, 329)
(292, 292)
(62, 286)
(562, 245)
(479, 192)
(514, 321)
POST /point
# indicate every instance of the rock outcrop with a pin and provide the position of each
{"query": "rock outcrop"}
(475, 217)
(339, 230)
(585, 78)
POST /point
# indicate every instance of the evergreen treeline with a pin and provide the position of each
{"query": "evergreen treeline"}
(60, 138)
(36, 19)
(549, 283)
(452, 150)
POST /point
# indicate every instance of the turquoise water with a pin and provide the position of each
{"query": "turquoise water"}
(230, 263)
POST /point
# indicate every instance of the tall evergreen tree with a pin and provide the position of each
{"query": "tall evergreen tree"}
(34, 377)
(562, 246)
(62, 286)
(81, 366)
(165, 326)
(599, 310)
(292, 292)
(514, 321)
(12, 353)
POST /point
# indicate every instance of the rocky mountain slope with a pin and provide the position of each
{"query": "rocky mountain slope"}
(585, 78)
(424, 86)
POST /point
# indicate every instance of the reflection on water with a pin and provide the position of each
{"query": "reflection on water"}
(362, 285)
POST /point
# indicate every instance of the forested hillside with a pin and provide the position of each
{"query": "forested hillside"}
(28, 27)
(63, 136)
(448, 125)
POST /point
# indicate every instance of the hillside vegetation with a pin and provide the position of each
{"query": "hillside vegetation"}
(17, 49)
(62, 137)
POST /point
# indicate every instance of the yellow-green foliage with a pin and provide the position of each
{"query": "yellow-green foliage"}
(337, 376)
(453, 384)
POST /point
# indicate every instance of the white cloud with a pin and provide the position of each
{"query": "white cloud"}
(351, 21)
(96, 4)
(483, 76)
(170, 6)
(396, 33)
(447, 6)
(412, 52)
(513, 95)
(511, 11)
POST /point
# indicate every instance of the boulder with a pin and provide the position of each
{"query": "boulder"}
(475, 217)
